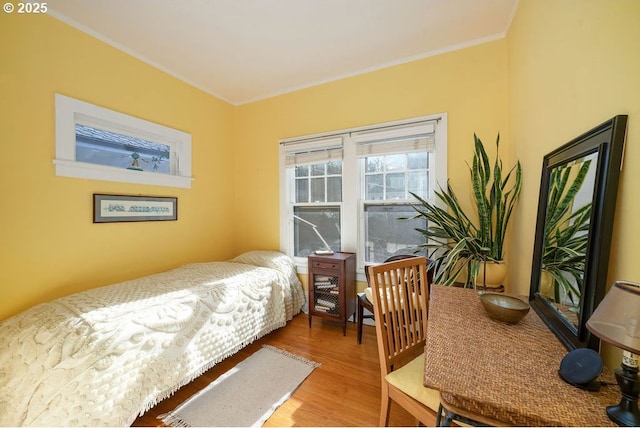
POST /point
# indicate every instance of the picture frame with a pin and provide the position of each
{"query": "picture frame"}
(128, 208)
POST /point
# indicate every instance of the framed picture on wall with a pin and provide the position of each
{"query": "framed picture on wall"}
(123, 208)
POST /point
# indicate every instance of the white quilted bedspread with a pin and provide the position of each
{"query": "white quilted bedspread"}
(104, 356)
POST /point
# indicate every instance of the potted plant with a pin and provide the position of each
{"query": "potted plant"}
(457, 242)
(565, 235)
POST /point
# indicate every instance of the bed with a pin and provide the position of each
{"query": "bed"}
(104, 356)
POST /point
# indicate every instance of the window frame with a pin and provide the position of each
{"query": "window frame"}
(70, 111)
(314, 150)
(352, 212)
(364, 203)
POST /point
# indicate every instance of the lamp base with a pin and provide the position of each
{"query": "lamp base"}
(627, 413)
(623, 416)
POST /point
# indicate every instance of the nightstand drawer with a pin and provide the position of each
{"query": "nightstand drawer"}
(324, 265)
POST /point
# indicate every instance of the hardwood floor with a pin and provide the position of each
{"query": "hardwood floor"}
(343, 391)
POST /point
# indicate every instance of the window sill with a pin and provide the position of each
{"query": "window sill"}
(66, 168)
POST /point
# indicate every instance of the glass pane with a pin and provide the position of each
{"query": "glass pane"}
(302, 171)
(374, 187)
(317, 169)
(317, 190)
(395, 186)
(108, 148)
(334, 189)
(386, 236)
(417, 160)
(418, 183)
(395, 162)
(302, 190)
(374, 164)
(334, 168)
(308, 239)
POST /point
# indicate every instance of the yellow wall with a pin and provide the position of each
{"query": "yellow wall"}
(49, 246)
(470, 85)
(573, 65)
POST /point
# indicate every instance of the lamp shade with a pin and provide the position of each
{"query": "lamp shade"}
(617, 319)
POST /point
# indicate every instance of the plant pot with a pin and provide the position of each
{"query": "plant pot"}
(547, 284)
(496, 274)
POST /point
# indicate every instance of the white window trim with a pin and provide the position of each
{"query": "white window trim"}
(70, 110)
(352, 226)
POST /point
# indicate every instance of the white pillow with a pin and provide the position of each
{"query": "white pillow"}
(270, 259)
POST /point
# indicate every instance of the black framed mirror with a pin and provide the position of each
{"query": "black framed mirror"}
(576, 210)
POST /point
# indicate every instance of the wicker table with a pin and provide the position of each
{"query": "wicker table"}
(505, 372)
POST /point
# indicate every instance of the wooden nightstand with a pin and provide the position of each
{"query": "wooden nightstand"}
(332, 280)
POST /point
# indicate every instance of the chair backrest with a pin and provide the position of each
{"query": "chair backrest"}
(400, 305)
(430, 267)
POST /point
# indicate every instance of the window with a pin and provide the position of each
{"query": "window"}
(347, 190)
(314, 172)
(96, 143)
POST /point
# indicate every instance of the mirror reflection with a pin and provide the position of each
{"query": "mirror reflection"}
(576, 210)
(566, 235)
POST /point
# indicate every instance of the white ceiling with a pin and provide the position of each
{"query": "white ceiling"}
(246, 50)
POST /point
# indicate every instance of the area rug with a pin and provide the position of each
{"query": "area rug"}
(247, 394)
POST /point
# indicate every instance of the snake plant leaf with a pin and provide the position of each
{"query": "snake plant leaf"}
(457, 241)
(566, 231)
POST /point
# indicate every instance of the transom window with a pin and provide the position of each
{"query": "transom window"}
(347, 191)
(93, 142)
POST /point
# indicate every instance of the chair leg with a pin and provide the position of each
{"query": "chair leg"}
(448, 418)
(439, 415)
(360, 321)
(384, 406)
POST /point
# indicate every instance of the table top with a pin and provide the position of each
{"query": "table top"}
(502, 371)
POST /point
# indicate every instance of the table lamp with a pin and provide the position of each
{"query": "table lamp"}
(617, 321)
(328, 250)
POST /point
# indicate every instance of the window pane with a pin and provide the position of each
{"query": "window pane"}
(374, 187)
(395, 186)
(302, 171)
(317, 190)
(395, 162)
(317, 169)
(418, 183)
(109, 148)
(417, 160)
(302, 190)
(334, 168)
(386, 236)
(374, 164)
(306, 239)
(334, 189)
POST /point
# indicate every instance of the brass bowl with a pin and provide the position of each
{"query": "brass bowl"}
(502, 307)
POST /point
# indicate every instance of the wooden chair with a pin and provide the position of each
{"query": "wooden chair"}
(400, 305)
(364, 299)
